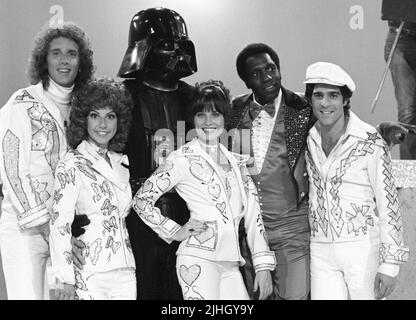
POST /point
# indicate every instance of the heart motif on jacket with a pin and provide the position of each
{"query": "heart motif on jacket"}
(163, 184)
(201, 172)
(221, 206)
(168, 165)
(140, 204)
(148, 185)
(214, 190)
(205, 236)
(153, 218)
(189, 275)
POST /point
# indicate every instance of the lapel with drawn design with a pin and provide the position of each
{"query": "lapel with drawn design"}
(39, 94)
(117, 175)
(46, 123)
(202, 167)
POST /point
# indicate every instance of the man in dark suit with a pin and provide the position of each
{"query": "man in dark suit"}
(279, 121)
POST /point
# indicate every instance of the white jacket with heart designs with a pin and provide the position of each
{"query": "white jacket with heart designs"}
(197, 179)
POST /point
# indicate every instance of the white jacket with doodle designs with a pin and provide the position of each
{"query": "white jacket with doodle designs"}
(32, 141)
(86, 184)
(352, 195)
(194, 175)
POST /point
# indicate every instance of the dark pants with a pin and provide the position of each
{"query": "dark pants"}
(403, 74)
(291, 278)
(156, 259)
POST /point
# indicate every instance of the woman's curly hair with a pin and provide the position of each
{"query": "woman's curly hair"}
(38, 67)
(209, 96)
(99, 93)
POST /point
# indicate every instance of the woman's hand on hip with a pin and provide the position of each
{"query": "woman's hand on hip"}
(192, 227)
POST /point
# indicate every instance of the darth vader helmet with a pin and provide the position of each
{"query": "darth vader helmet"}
(159, 43)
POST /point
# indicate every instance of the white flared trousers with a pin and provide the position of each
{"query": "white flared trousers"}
(118, 284)
(210, 280)
(25, 254)
(341, 271)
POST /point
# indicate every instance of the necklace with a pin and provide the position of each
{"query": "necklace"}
(102, 151)
(65, 112)
(60, 96)
(66, 118)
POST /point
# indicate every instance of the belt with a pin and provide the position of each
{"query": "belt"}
(405, 32)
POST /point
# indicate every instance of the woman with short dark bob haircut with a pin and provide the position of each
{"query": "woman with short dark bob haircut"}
(218, 192)
(32, 141)
(210, 100)
(38, 66)
(93, 180)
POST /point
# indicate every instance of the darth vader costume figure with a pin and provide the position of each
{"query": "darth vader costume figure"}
(159, 54)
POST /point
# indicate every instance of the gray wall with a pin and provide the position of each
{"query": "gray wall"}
(301, 31)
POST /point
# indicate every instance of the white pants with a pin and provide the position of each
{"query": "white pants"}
(203, 279)
(341, 271)
(119, 284)
(24, 254)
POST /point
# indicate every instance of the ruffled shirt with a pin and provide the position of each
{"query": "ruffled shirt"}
(262, 130)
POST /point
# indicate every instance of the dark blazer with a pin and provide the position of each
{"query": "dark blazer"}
(298, 119)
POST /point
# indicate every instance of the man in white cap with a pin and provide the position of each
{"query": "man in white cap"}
(356, 226)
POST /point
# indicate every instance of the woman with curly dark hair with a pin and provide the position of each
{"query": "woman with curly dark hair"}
(32, 140)
(99, 94)
(218, 192)
(93, 180)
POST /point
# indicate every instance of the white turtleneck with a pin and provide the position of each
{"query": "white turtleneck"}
(61, 96)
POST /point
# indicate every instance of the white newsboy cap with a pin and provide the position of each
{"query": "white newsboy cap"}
(329, 73)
